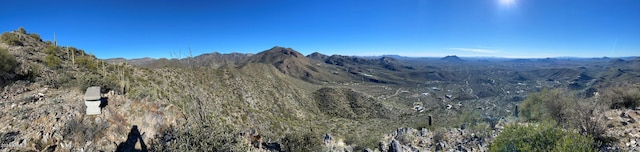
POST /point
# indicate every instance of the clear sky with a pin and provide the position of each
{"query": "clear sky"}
(498, 28)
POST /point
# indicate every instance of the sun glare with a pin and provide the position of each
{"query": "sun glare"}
(507, 3)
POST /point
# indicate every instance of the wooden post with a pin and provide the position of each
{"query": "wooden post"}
(429, 120)
(516, 111)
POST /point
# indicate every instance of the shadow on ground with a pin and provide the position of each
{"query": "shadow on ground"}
(104, 101)
(132, 139)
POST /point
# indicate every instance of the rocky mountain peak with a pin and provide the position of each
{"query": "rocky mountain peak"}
(289, 62)
(284, 51)
(278, 55)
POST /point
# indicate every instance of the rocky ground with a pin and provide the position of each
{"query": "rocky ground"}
(37, 118)
(410, 139)
(622, 124)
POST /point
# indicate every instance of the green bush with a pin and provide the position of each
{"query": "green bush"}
(87, 62)
(547, 104)
(52, 61)
(8, 61)
(543, 137)
(11, 39)
(51, 50)
(569, 111)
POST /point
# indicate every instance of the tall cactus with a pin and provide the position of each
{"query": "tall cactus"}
(72, 55)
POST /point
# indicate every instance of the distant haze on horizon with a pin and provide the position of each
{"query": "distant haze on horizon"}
(415, 28)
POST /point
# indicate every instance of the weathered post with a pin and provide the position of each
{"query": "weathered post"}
(429, 120)
(516, 111)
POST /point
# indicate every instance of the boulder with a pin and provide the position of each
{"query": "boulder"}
(395, 146)
(381, 146)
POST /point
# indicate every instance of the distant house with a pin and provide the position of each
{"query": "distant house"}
(92, 100)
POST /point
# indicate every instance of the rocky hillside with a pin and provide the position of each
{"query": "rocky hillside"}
(42, 103)
(153, 105)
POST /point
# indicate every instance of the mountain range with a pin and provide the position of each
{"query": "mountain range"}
(275, 100)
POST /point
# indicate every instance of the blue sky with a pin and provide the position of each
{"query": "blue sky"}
(497, 28)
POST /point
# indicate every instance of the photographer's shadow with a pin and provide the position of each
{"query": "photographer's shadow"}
(133, 138)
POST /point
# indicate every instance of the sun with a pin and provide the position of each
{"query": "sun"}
(507, 3)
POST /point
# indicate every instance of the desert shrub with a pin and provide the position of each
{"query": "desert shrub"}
(468, 117)
(8, 65)
(198, 138)
(11, 39)
(62, 80)
(51, 49)
(575, 113)
(33, 72)
(623, 97)
(543, 137)
(583, 117)
(547, 104)
(87, 62)
(36, 36)
(301, 141)
(89, 80)
(52, 61)
(8, 61)
(76, 130)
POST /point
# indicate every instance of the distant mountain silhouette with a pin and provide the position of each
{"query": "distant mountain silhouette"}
(452, 58)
